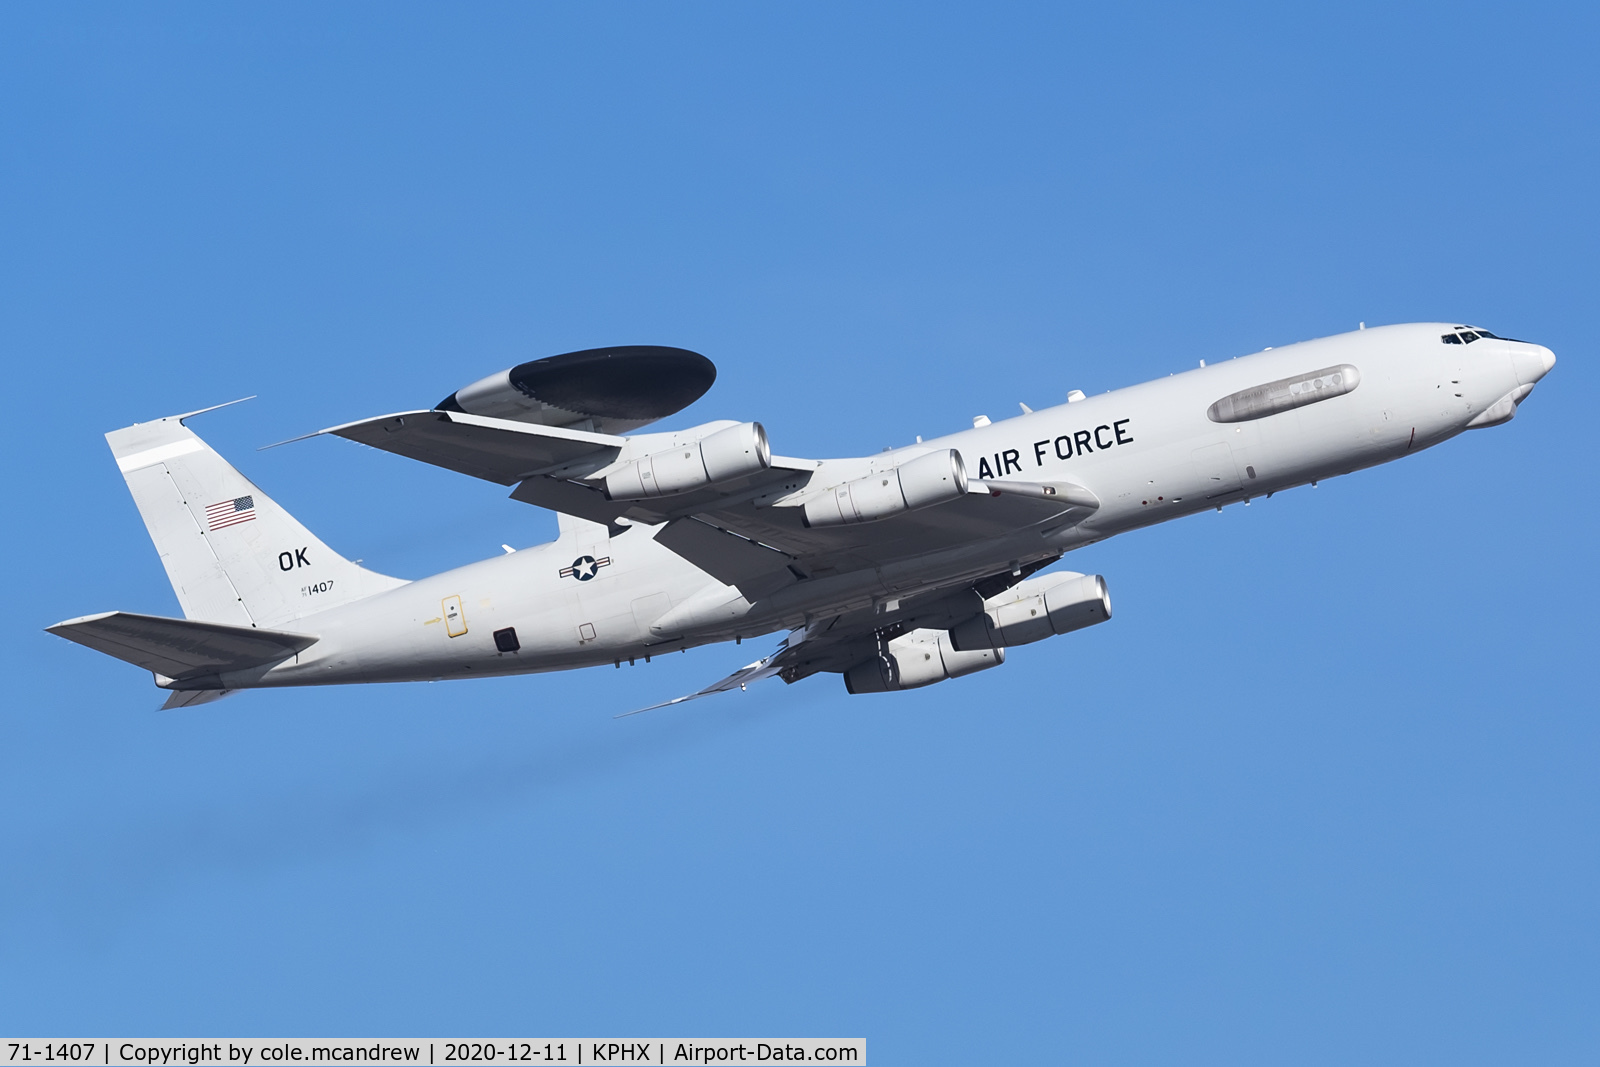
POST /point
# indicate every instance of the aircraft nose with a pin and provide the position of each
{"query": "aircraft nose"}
(1532, 362)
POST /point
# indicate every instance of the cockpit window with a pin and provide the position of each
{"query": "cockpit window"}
(1466, 336)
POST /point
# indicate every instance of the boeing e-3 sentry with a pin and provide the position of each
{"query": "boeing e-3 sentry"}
(895, 570)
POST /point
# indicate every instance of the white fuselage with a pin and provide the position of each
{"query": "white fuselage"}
(1149, 453)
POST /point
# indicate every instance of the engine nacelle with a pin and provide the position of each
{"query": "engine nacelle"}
(916, 659)
(918, 483)
(1034, 610)
(727, 453)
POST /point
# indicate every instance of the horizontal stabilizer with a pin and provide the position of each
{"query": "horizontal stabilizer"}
(181, 648)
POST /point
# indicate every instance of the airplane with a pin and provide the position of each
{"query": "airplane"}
(896, 570)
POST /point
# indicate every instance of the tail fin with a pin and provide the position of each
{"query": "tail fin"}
(233, 555)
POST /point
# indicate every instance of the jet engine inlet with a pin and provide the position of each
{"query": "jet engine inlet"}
(726, 454)
(918, 483)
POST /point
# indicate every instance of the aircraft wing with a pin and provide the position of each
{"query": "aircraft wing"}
(802, 649)
(750, 672)
(542, 461)
(979, 516)
(496, 450)
(730, 528)
(834, 643)
(742, 542)
(181, 648)
(188, 698)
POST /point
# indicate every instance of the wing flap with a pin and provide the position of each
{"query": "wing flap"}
(754, 568)
(189, 698)
(570, 498)
(181, 648)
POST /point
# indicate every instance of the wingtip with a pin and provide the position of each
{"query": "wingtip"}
(292, 440)
(67, 624)
(654, 707)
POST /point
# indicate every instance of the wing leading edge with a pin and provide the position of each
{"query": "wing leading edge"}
(496, 450)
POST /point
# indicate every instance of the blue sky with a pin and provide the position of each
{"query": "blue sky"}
(1323, 791)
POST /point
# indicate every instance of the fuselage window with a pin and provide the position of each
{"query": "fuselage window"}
(1451, 338)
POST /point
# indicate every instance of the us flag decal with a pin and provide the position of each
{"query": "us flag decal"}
(231, 512)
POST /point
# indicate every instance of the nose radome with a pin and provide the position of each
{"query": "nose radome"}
(1532, 362)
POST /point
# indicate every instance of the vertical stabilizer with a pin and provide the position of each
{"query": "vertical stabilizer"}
(232, 554)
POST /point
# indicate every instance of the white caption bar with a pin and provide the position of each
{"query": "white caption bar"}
(427, 1052)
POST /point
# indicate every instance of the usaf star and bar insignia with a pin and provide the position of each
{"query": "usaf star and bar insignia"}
(585, 567)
